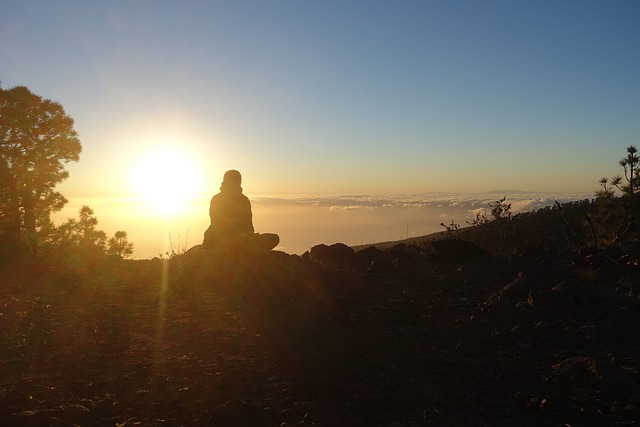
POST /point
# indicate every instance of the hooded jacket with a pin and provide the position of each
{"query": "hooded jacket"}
(230, 212)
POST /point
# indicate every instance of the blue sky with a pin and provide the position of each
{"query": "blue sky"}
(338, 97)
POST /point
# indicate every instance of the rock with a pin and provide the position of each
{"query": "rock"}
(336, 253)
(371, 254)
(455, 250)
(196, 248)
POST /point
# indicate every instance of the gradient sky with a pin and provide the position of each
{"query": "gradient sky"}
(338, 97)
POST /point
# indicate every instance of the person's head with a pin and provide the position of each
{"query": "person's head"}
(232, 177)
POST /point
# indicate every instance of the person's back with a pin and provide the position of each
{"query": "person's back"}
(232, 219)
(230, 213)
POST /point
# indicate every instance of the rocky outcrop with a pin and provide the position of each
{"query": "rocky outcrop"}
(338, 253)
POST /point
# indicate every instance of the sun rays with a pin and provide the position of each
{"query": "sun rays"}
(165, 179)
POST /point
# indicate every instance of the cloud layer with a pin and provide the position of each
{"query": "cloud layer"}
(303, 222)
(520, 201)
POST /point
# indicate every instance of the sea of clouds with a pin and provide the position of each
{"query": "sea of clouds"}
(304, 221)
(472, 203)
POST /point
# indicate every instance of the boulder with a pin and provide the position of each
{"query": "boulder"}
(371, 254)
(338, 253)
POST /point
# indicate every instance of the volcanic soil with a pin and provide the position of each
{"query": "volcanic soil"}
(374, 339)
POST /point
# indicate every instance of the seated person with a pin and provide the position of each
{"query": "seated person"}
(232, 220)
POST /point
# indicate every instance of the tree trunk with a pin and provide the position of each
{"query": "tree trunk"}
(9, 206)
(12, 242)
(29, 206)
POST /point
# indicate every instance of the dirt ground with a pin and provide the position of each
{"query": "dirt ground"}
(274, 340)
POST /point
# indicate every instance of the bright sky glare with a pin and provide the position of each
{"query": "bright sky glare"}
(337, 97)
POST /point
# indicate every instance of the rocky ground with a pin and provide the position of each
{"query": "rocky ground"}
(394, 338)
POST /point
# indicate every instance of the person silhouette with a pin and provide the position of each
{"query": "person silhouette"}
(232, 219)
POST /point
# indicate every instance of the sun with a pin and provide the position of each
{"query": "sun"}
(166, 178)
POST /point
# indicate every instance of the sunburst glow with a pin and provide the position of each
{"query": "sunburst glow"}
(166, 178)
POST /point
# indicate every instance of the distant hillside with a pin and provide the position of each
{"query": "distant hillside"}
(545, 227)
(410, 240)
